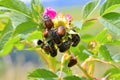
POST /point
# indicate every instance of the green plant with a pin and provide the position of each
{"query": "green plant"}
(22, 25)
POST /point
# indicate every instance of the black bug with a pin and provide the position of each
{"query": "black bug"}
(57, 39)
(75, 39)
(48, 22)
(39, 42)
(72, 61)
(53, 52)
(61, 31)
(64, 46)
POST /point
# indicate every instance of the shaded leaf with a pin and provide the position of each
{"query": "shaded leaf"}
(109, 5)
(42, 73)
(72, 78)
(116, 57)
(18, 18)
(111, 21)
(89, 8)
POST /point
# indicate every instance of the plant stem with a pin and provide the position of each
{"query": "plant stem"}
(110, 63)
(93, 19)
(85, 72)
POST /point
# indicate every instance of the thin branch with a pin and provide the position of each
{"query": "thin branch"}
(85, 72)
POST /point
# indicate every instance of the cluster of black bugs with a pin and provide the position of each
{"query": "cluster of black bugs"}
(54, 39)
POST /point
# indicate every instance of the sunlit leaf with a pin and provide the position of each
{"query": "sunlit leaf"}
(103, 51)
(19, 46)
(114, 73)
(87, 38)
(25, 28)
(111, 21)
(42, 73)
(79, 51)
(6, 34)
(72, 78)
(109, 5)
(101, 37)
(15, 5)
(8, 46)
(90, 7)
(34, 35)
(87, 24)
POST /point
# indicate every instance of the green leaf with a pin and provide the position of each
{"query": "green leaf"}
(72, 78)
(42, 73)
(67, 70)
(9, 46)
(25, 28)
(89, 8)
(116, 57)
(15, 5)
(103, 51)
(4, 39)
(34, 35)
(114, 42)
(109, 5)
(5, 34)
(79, 51)
(114, 73)
(87, 24)
(87, 38)
(111, 21)
(37, 9)
(19, 46)
(18, 18)
(115, 76)
(101, 37)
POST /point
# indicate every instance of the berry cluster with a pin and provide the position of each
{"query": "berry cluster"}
(57, 38)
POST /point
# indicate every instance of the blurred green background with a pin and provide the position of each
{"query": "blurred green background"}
(17, 64)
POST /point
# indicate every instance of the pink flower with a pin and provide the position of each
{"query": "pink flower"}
(69, 17)
(50, 12)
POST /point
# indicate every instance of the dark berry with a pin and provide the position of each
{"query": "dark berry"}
(64, 46)
(61, 31)
(72, 62)
(39, 42)
(45, 33)
(56, 37)
(75, 39)
(48, 22)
